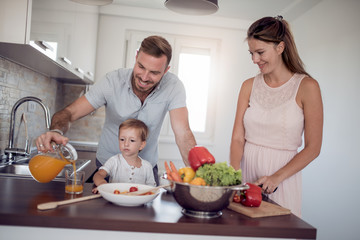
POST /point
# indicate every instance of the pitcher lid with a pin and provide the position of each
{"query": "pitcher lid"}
(68, 151)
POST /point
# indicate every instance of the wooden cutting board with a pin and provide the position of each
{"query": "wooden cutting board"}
(266, 209)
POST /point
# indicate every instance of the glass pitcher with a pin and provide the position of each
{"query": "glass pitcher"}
(44, 167)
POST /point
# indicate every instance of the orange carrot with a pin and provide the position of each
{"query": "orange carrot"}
(173, 168)
(175, 174)
(168, 171)
(169, 177)
(176, 177)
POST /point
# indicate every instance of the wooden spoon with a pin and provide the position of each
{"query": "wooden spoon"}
(148, 190)
(52, 205)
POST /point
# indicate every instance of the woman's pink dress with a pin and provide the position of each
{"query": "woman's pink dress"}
(274, 125)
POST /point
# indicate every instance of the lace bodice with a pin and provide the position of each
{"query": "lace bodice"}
(269, 97)
(273, 118)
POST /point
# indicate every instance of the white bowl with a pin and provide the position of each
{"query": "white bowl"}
(107, 192)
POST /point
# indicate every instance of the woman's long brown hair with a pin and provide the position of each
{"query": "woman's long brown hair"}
(276, 30)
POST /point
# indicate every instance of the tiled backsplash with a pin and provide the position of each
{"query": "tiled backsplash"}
(17, 82)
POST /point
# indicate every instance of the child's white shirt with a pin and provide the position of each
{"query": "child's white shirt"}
(121, 172)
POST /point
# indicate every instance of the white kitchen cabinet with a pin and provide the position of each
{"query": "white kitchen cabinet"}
(54, 37)
(83, 46)
(73, 27)
(14, 27)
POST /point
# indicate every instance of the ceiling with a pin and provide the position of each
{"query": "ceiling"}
(242, 9)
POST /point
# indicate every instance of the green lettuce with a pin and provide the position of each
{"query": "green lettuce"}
(219, 174)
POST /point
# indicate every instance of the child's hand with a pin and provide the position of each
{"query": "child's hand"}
(94, 190)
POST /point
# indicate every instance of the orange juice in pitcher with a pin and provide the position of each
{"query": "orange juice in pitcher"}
(44, 167)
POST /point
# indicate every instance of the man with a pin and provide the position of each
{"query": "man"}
(146, 92)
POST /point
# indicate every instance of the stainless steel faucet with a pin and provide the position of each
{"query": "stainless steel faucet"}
(10, 150)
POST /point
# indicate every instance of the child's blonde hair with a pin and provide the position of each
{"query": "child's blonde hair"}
(137, 124)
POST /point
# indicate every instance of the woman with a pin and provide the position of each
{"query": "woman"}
(274, 109)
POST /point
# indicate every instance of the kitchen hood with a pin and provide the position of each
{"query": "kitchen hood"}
(54, 38)
(29, 57)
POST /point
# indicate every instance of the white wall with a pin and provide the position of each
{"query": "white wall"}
(328, 37)
(328, 42)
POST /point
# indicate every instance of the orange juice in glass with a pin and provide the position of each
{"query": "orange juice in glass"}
(74, 181)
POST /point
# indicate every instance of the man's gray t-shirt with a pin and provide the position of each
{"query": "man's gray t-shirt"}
(115, 92)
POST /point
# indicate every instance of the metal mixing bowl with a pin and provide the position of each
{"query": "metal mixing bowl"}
(203, 201)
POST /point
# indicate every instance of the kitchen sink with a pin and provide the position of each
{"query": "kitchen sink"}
(21, 169)
(15, 169)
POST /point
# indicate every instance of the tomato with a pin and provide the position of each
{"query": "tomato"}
(236, 198)
(116, 192)
(133, 189)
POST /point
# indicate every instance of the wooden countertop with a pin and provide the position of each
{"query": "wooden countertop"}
(19, 199)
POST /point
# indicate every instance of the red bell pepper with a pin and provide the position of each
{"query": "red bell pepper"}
(199, 156)
(252, 196)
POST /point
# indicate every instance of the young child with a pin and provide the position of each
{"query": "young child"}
(127, 166)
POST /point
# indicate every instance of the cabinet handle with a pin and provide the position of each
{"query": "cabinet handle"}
(79, 70)
(90, 74)
(44, 45)
(64, 59)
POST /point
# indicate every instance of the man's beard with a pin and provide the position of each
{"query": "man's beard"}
(140, 89)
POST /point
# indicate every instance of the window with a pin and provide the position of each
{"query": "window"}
(194, 71)
(193, 61)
